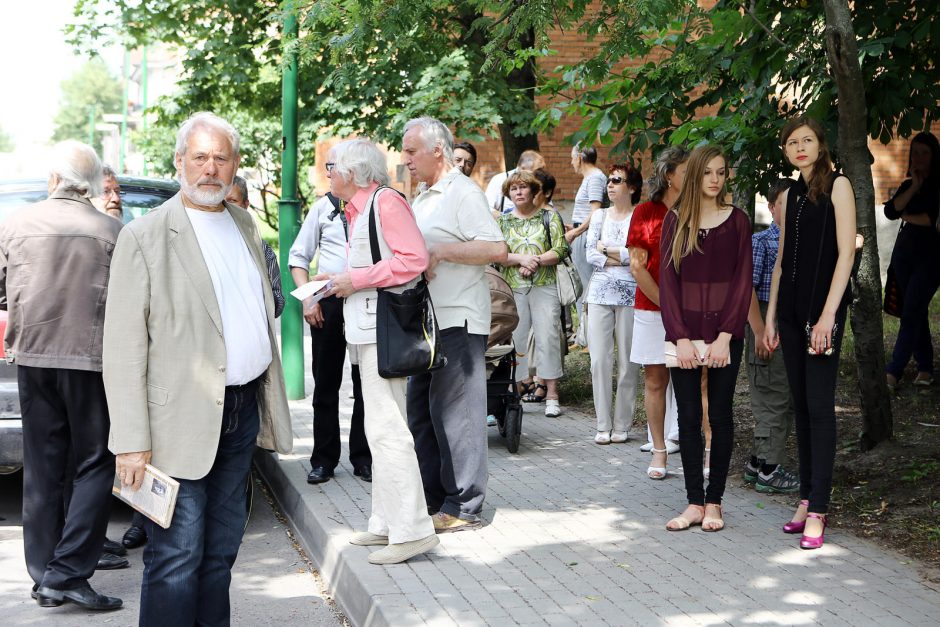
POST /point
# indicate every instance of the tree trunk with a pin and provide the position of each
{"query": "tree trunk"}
(524, 81)
(867, 327)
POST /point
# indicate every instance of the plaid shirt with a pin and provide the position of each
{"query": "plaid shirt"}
(764, 251)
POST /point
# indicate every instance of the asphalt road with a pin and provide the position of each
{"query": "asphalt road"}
(273, 583)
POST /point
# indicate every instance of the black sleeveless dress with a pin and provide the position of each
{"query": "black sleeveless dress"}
(802, 262)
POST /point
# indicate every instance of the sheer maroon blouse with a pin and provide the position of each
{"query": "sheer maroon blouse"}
(711, 291)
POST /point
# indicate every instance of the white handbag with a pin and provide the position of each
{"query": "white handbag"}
(700, 348)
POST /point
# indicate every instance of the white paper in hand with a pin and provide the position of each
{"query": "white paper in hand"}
(316, 289)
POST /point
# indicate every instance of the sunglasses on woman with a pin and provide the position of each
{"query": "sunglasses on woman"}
(616, 180)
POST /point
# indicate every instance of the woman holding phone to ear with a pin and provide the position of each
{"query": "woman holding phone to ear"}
(808, 301)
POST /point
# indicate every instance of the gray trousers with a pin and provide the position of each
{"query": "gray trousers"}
(610, 326)
(771, 402)
(447, 417)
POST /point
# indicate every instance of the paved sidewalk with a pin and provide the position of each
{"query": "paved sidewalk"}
(575, 534)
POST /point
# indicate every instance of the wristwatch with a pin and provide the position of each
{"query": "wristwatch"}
(605, 250)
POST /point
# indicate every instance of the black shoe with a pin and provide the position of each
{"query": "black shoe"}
(364, 473)
(134, 537)
(33, 594)
(108, 561)
(112, 547)
(82, 596)
(319, 474)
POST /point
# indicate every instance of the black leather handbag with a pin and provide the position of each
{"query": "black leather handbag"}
(408, 341)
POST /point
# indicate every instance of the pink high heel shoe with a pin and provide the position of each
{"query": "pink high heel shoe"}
(815, 543)
(796, 526)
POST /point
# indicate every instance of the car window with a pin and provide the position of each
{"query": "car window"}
(137, 202)
(11, 201)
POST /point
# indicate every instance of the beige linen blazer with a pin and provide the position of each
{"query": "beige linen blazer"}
(164, 353)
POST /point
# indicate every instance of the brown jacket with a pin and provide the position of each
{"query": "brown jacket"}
(55, 259)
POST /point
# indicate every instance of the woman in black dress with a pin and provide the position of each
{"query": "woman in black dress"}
(808, 300)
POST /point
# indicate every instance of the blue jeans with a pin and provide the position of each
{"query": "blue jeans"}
(188, 567)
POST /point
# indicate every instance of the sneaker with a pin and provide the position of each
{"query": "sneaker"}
(365, 538)
(445, 523)
(491, 420)
(619, 437)
(401, 551)
(779, 481)
(552, 409)
(751, 471)
(923, 379)
(646, 448)
(672, 447)
(602, 437)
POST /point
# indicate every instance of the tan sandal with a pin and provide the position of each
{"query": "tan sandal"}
(713, 524)
(681, 523)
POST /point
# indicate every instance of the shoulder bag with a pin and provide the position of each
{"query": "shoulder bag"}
(408, 340)
(566, 277)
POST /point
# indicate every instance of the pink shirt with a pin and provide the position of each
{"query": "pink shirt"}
(401, 234)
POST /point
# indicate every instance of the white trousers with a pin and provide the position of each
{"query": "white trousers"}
(612, 326)
(398, 506)
(539, 309)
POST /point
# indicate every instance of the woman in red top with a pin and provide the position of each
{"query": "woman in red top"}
(705, 291)
(648, 333)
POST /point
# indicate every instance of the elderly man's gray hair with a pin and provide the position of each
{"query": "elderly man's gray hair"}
(434, 133)
(242, 185)
(78, 168)
(204, 119)
(107, 172)
(360, 161)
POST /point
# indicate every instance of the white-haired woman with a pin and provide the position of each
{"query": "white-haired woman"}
(358, 175)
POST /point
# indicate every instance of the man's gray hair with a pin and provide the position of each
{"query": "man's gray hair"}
(204, 119)
(78, 168)
(107, 172)
(242, 185)
(360, 161)
(434, 133)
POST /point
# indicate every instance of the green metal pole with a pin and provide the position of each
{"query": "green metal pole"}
(127, 92)
(292, 347)
(143, 97)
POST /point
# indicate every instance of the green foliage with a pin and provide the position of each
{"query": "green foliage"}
(91, 87)
(921, 469)
(6, 142)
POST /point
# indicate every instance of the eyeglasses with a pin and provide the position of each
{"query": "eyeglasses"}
(329, 166)
(616, 180)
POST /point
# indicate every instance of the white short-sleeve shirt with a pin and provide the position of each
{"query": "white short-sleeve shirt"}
(455, 210)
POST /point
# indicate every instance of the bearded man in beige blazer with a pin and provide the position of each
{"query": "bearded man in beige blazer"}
(192, 373)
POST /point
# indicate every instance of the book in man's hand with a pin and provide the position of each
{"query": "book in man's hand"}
(156, 498)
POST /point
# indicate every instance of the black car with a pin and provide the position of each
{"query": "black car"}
(138, 196)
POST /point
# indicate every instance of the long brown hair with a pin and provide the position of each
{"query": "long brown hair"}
(689, 204)
(818, 185)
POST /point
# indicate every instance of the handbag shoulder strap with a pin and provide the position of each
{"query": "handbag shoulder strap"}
(372, 209)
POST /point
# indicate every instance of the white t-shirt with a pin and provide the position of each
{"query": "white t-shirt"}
(591, 190)
(450, 211)
(238, 290)
(494, 193)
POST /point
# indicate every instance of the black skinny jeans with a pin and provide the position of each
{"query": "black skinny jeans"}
(813, 386)
(688, 387)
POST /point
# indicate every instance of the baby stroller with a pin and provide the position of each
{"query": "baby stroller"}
(502, 398)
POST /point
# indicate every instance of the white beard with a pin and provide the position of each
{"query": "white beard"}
(206, 198)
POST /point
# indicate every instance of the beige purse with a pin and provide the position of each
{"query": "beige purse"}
(700, 348)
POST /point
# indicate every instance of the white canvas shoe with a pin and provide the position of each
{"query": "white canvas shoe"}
(366, 538)
(552, 409)
(619, 437)
(402, 551)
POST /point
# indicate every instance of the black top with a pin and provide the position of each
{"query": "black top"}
(801, 256)
(925, 201)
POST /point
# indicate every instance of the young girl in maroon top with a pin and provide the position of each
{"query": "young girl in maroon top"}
(705, 291)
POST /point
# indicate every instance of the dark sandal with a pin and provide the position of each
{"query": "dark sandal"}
(532, 394)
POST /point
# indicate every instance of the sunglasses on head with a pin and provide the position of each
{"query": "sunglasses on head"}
(616, 180)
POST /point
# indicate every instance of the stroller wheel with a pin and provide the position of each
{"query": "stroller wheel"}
(512, 427)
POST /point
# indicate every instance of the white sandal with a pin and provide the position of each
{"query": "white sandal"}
(655, 472)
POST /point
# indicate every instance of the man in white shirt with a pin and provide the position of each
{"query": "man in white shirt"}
(192, 373)
(325, 231)
(447, 408)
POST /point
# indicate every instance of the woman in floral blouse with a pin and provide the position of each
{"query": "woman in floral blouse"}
(534, 251)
